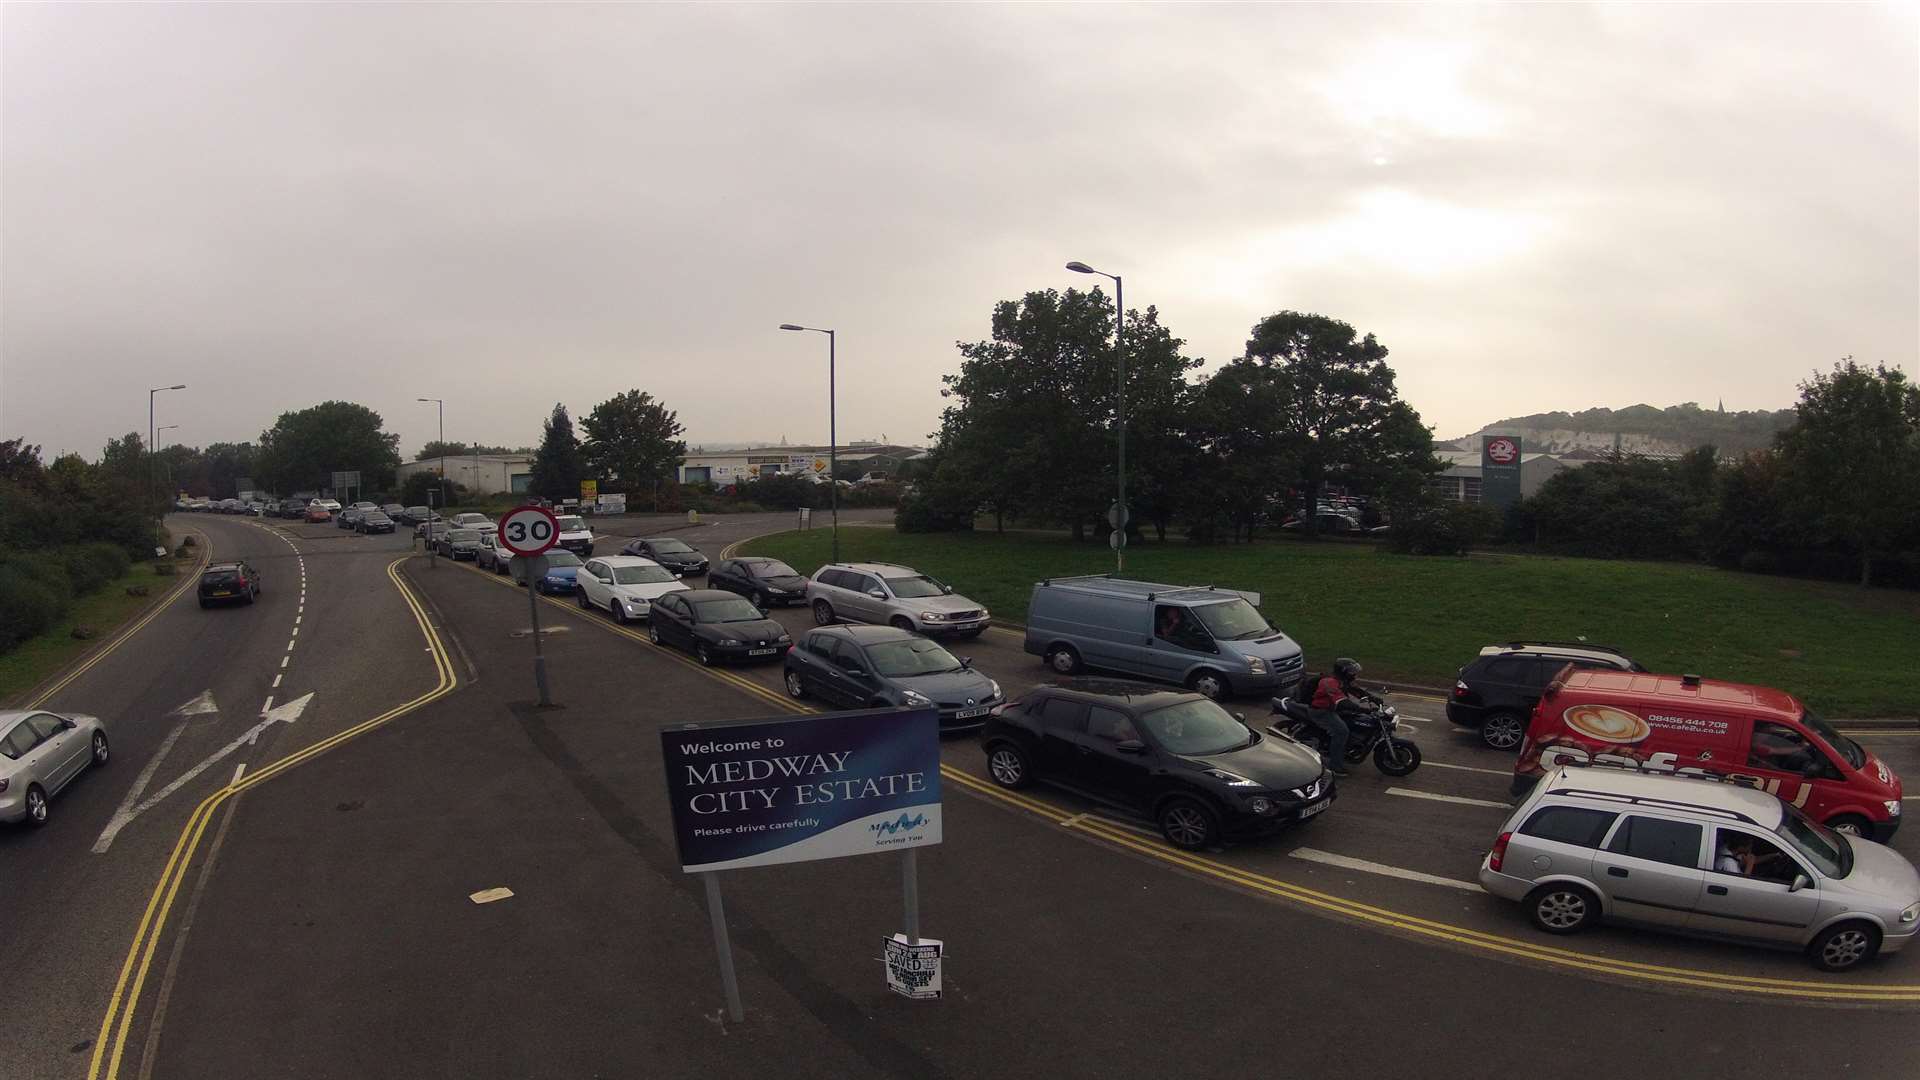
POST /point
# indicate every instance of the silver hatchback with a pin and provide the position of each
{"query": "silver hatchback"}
(41, 753)
(1700, 857)
(886, 594)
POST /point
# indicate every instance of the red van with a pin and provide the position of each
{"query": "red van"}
(1684, 724)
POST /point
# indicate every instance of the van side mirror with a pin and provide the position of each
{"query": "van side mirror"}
(1130, 746)
(1799, 882)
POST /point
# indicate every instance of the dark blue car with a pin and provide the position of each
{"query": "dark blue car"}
(561, 568)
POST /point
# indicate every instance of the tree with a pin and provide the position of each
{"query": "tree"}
(558, 466)
(437, 449)
(1852, 460)
(633, 443)
(1346, 423)
(304, 448)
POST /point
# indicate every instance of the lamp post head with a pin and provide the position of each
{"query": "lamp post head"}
(790, 326)
(1081, 268)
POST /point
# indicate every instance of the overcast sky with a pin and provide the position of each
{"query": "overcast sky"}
(1534, 207)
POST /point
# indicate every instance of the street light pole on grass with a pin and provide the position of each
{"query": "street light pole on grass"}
(443, 473)
(1119, 406)
(833, 438)
(151, 475)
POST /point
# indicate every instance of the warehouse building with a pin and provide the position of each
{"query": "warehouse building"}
(724, 467)
(483, 474)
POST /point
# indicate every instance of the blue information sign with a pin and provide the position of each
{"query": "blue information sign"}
(759, 792)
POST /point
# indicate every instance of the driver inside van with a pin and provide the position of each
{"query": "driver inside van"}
(1175, 626)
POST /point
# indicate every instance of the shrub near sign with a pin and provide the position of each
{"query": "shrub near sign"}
(759, 792)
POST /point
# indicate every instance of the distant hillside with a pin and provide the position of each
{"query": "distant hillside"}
(1640, 429)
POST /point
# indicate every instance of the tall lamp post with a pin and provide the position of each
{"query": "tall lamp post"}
(151, 472)
(833, 438)
(1119, 406)
(443, 450)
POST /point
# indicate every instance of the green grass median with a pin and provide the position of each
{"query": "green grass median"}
(1848, 652)
(102, 611)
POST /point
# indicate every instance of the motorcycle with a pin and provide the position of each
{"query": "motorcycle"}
(1370, 731)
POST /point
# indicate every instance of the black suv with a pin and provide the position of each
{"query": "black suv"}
(1497, 691)
(229, 582)
(673, 554)
(767, 582)
(1173, 755)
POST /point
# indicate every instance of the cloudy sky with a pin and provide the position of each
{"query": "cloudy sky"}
(1534, 207)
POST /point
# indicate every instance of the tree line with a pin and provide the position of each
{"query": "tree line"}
(67, 528)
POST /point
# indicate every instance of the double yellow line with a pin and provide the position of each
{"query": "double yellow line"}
(110, 1046)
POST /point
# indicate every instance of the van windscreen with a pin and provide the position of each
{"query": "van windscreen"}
(1235, 620)
(1849, 749)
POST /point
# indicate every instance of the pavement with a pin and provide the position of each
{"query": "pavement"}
(320, 925)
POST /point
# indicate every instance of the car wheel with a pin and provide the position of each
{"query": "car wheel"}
(100, 749)
(1008, 765)
(251, 597)
(616, 609)
(1187, 824)
(1063, 659)
(1503, 730)
(901, 622)
(36, 805)
(704, 653)
(1211, 683)
(1851, 824)
(204, 605)
(1396, 757)
(653, 633)
(581, 596)
(1845, 946)
(822, 613)
(1561, 908)
(796, 686)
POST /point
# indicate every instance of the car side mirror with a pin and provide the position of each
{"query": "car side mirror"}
(1799, 882)
(1240, 716)
(855, 673)
(946, 590)
(876, 594)
(1130, 746)
(68, 725)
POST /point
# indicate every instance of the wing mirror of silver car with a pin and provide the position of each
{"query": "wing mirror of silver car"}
(876, 594)
(1799, 882)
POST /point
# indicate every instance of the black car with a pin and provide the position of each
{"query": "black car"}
(882, 666)
(766, 582)
(673, 554)
(457, 544)
(393, 510)
(715, 626)
(229, 583)
(1174, 756)
(1498, 690)
(294, 509)
(373, 521)
(348, 517)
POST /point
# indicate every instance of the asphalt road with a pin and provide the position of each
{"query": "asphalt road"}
(334, 937)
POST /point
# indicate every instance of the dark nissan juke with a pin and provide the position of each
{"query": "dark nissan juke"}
(1176, 757)
(715, 626)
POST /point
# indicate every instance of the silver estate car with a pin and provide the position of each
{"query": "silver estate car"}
(40, 753)
(889, 595)
(1700, 857)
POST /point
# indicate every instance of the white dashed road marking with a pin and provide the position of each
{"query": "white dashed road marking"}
(1411, 794)
(1344, 862)
(1468, 768)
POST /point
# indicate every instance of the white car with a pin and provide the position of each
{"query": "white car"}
(626, 585)
(472, 521)
(331, 506)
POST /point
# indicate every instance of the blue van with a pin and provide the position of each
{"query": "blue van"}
(1212, 640)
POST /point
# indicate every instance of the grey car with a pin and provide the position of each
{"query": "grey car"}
(1702, 857)
(870, 666)
(41, 753)
(891, 595)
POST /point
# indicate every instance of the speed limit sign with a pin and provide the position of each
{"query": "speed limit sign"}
(528, 530)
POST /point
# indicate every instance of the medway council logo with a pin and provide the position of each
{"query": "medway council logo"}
(899, 824)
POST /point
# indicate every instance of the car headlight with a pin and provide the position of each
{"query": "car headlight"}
(1256, 665)
(1893, 807)
(1231, 779)
(996, 686)
(1911, 913)
(1260, 804)
(729, 643)
(933, 616)
(914, 697)
(783, 639)
(636, 603)
(985, 613)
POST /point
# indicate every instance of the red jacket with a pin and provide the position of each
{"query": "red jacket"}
(1328, 692)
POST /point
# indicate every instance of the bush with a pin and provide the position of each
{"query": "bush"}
(1444, 529)
(918, 513)
(785, 492)
(90, 566)
(879, 493)
(28, 605)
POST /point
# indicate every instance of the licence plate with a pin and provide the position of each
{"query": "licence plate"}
(968, 714)
(221, 592)
(1315, 808)
(761, 652)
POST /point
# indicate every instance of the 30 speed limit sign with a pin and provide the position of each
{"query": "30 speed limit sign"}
(528, 530)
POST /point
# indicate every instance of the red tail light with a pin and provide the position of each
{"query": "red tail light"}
(1459, 689)
(240, 581)
(1499, 853)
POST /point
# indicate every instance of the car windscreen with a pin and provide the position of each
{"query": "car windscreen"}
(642, 575)
(1852, 751)
(375, 515)
(915, 587)
(1235, 620)
(731, 609)
(464, 536)
(670, 547)
(1195, 729)
(417, 511)
(913, 656)
(1825, 849)
(772, 570)
(571, 523)
(557, 559)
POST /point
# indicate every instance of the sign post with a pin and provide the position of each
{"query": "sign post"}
(1500, 470)
(527, 532)
(760, 792)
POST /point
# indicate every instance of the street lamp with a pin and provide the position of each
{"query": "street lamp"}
(833, 438)
(151, 475)
(443, 449)
(1119, 403)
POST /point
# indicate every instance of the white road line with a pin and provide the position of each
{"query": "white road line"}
(1467, 768)
(1411, 794)
(125, 813)
(284, 659)
(238, 771)
(1327, 858)
(276, 681)
(289, 646)
(296, 632)
(297, 618)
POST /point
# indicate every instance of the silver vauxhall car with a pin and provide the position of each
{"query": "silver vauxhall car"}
(1701, 857)
(886, 594)
(41, 753)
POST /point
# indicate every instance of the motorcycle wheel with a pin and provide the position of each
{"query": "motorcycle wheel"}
(1396, 758)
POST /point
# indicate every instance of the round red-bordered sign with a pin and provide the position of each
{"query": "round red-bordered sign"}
(1502, 451)
(528, 530)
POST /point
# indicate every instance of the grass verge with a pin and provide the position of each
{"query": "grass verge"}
(1848, 652)
(104, 611)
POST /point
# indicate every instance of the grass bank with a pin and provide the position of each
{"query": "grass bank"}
(1847, 651)
(104, 611)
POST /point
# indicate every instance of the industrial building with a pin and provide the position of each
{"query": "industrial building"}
(483, 474)
(723, 467)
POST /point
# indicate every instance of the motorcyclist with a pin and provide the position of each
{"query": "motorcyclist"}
(1333, 694)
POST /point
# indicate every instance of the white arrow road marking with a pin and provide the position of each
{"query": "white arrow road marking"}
(285, 714)
(126, 811)
(198, 706)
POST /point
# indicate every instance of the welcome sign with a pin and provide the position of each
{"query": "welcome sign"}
(760, 792)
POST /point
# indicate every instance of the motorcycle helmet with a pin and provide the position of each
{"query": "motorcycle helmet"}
(1346, 670)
